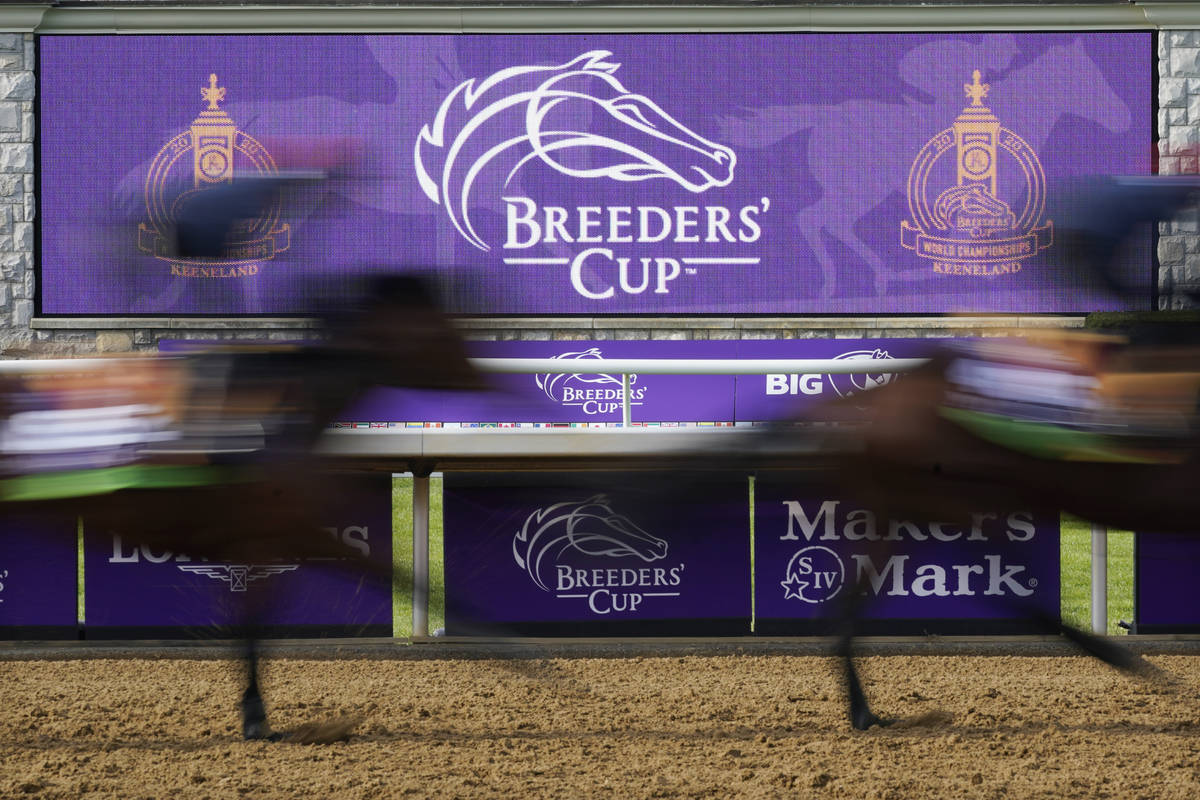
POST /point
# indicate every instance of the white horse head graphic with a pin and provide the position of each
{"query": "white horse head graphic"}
(552, 383)
(532, 113)
(590, 527)
(863, 381)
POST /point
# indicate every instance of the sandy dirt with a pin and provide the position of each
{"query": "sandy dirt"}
(728, 726)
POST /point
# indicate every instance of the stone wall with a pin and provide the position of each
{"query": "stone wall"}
(17, 203)
(1179, 148)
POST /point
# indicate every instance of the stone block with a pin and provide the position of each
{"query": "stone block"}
(1171, 250)
(1185, 61)
(28, 123)
(22, 233)
(16, 86)
(1172, 92)
(29, 204)
(670, 335)
(17, 158)
(11, 264)
(12, 42)
(1179, 116)
(760, 335)
(27, 283)
(534, 336)
(30, 57)
(1188, 272)
(113, 342)
(1183, 138)
(627, 334)
(22, 313)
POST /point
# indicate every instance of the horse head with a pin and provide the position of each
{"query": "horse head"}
(595, 529)
(576, 118)
(551, 383)
(590, 527)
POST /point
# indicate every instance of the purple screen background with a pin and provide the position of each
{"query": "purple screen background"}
(824, 127)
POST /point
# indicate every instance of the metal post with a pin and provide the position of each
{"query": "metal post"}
(1099, 579)
(420, 565)
(626, 413)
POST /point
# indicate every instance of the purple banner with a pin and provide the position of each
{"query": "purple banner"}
(1167, 596)
(589, 396)
(593, 173)
(37, 575)
(594, 396)
(812, 547)
(129, 587)
(592, 554)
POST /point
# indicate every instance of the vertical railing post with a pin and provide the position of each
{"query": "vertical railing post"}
(626, 411)
(420, 556)
(1099, 579)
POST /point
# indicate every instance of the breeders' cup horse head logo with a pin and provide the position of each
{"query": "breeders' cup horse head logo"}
(552, 384)
(590, 527)
(532, 113)
(849, 385)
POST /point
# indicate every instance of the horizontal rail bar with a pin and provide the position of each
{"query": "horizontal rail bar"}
(697, 366)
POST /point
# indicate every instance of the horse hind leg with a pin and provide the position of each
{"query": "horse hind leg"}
(861, 716)
(254, 710)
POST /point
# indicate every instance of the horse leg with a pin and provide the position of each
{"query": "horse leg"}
(861, 715)
(254, 711)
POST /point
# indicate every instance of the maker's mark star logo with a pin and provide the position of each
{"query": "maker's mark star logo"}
(213, 148)
(813, 575)
(984, 215)
(238, 576)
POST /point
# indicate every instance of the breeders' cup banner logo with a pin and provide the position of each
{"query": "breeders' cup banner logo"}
(518, 555)
(810, 552)
(633, 563)
(199, 160)
(979, 224)
(579, 120)
(592, 394)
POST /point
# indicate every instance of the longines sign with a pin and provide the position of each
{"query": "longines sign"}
(676, 173)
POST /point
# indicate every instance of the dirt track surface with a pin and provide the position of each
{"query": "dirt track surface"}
(679, 726)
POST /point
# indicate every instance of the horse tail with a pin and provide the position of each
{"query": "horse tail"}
(766, 126)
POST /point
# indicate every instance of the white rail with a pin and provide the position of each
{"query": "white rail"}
(692, 366)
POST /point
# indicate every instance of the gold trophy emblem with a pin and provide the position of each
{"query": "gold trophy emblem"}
(974, 227)
(216, 147)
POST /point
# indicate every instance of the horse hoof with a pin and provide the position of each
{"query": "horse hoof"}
(259, 732)
(862, 722)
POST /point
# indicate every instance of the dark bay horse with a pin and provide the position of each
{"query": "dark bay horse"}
(211, 453)
(1075, 422)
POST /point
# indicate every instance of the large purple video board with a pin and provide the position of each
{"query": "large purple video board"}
(593, 173)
